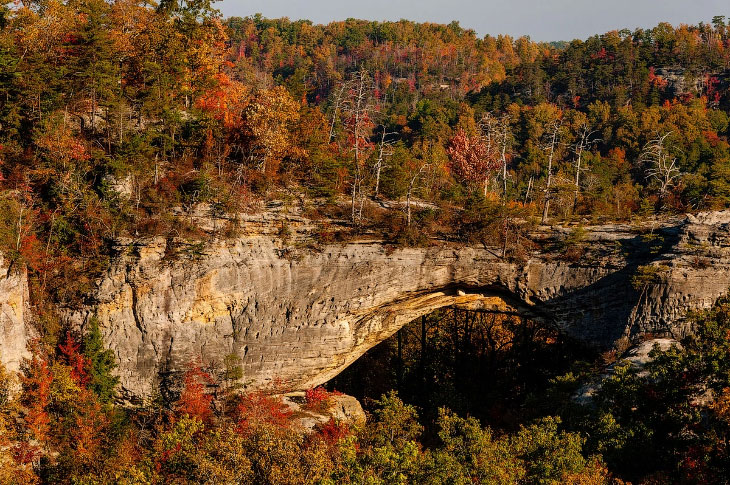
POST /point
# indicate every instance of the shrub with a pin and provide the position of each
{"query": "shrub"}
(319, 399)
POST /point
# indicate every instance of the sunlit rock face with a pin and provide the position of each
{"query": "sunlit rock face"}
(14, 315)
(296, 318)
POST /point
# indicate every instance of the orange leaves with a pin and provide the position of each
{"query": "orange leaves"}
(656, 80)
(712, 137)
(60, 143)
(256, 409)
(88, 432)
(32, 252)
(37, 386)
(721, 406)
(195, 400)
(224, 101)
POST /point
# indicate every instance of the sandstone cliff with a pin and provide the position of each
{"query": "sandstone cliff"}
(298, 317)
(14, 315)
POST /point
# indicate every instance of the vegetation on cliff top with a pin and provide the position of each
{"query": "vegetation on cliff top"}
(119, 117)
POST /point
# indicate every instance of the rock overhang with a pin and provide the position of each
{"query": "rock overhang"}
(300, 316)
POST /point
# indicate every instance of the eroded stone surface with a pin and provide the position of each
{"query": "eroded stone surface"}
(298, 317)
(14, 315)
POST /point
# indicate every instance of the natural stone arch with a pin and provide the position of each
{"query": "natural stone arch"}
(379, 324)
(299, 316)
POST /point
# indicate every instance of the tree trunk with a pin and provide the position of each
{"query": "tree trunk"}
(546, 208)
(377, 179)
(399, 364)
(408, 208)
(422, 366)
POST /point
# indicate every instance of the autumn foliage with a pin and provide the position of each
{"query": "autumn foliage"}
(257, 408)
(129, 119)
(195, 399)
(471, 158)
(318, 398)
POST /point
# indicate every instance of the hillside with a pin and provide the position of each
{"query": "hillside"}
(201, 215)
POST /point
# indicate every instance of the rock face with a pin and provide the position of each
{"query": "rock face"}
(296, 318)
(14, 315)
(637, 356)
(680, 82)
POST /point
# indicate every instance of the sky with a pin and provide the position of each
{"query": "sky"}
(542, 20)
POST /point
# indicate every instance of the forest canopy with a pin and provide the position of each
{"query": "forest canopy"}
(119, 119)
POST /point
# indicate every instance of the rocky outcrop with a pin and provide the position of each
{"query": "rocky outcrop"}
(341, 408)
(680, 81)
(638, 357)
(297, 317)
(14, 315)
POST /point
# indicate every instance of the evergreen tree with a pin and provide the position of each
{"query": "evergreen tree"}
(101, 364)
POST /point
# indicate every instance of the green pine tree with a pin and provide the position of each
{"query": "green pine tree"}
(101, 364)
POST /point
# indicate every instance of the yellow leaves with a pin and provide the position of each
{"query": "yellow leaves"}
(269, 120)
(46, 32)
(59, 142)
(721, 406)
(130, 20)
(64, 389)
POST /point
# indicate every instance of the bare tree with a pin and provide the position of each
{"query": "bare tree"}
(584, 141)
(661, 164)
(385, 151)
(339, 98)
(416, 168)
(360, 107)
(504, 140)
(488, 127)
(552, 138)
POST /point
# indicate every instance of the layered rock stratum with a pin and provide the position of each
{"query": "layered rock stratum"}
(296, 314)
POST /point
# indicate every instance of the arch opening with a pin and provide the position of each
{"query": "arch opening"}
(370, 327)
(476, 356)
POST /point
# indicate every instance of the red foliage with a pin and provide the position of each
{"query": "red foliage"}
(195, 400)
(33, 253)
(713, 94)
(257, 408)
(411, 84)
(319, 398)
(470, 158)
(603, 54)
(694, 466)
(333, 431)
(71, 354)
(24, 453)
(37, 385)
(166, 456)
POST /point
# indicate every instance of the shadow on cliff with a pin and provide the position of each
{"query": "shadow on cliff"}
(604, 311)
